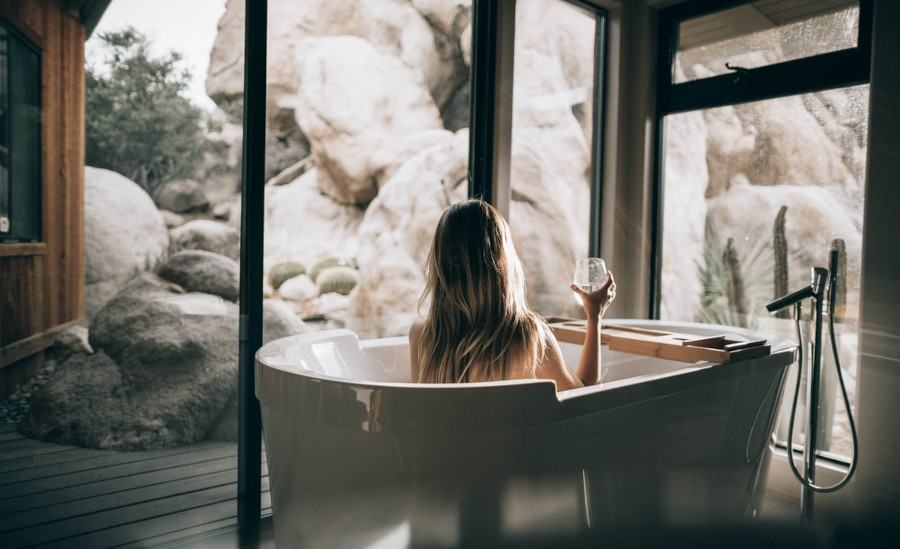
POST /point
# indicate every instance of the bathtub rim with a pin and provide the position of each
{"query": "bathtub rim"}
(779, 347)
(568, 403)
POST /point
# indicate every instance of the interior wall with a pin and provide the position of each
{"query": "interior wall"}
(628, 157)
(876, 489)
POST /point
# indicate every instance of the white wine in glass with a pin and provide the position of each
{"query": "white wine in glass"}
(590, 275)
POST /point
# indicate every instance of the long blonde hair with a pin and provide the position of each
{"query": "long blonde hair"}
(478, 327)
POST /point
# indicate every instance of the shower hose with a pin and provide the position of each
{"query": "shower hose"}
(790, 442)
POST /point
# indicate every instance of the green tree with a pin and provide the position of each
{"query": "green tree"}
(137, 120)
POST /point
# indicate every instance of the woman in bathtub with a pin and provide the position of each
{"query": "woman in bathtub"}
(479, 326)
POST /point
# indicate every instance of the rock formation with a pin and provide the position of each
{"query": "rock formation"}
(124, 235)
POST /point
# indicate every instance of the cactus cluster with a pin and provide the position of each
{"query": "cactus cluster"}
(324, 262)
(340, 279)
(285, 269)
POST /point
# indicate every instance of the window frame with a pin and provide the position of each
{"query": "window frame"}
(490, 127)
(33, 197)
(830, 70)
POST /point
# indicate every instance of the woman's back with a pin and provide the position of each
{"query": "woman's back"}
(478, 326)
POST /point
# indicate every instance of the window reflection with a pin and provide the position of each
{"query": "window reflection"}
(762, 33)
(552, 142)
(747, 184)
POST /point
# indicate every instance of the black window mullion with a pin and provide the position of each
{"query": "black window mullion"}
(597, 133)
(482, 97)
(830, 70)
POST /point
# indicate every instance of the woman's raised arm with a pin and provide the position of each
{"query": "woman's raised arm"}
(595, 304)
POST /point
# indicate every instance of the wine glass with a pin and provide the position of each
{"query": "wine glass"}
(590, 275)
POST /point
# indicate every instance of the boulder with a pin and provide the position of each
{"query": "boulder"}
(299, 288)
(163, 372)
(394, 28)
(280, 320)
(181, 196)
(172, 219)
(304, 223)
(164, 366)
(554, 71)
(67, 342)
(205, 234)
(392, 107)
(118, 246)
(782, 132)
(202, 271)
(409, 205)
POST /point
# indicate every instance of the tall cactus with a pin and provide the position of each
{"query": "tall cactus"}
(779, 243)
(735, 279)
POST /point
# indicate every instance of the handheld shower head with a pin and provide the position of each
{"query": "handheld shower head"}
(816, 289)
(790, 299)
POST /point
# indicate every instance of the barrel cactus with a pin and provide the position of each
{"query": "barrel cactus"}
(340, 279)
(285, 269)
(324, 262)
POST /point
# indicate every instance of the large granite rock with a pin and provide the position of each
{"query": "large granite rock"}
(391, 107)
(181, 196)
(124, 235)
(783, 132)
(208, 235)
(554, 70)
(304, 223)
(393, 28)
(165, 364)
(162, 373)
(202, 271)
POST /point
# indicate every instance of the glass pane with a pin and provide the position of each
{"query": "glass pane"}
(359, 174)
(763, 33)
(758, 193)
(552, 132)
(25, 142)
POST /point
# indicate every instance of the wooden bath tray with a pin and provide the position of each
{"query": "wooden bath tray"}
(662, 344)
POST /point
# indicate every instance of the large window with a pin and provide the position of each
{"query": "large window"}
(20, 138)
(763, 168)
(554, 160)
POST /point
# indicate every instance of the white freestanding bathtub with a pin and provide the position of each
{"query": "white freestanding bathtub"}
(359, 457)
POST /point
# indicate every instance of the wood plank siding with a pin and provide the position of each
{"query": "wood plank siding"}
(42, 284)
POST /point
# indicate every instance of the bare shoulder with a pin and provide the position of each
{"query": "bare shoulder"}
(415, 333)
(553, 365)
(415, 329)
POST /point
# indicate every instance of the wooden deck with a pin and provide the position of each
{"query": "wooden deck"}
(61, 496)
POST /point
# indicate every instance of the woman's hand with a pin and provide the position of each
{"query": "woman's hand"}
(596, 302)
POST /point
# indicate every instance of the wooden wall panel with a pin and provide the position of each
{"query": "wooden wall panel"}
(54, 138)
(73, 248)
(19, 298)
(42, 288)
